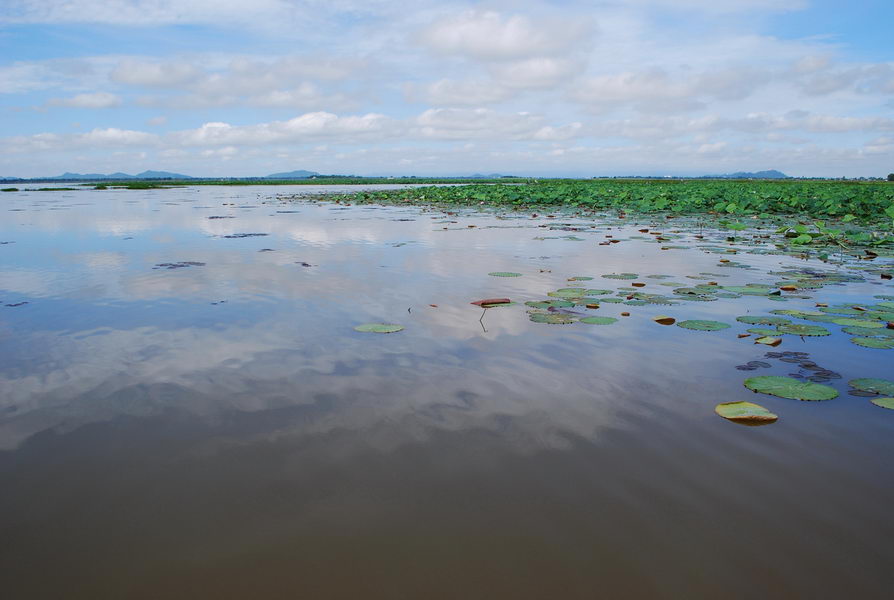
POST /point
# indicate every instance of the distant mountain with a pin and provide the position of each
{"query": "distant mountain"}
(301, 174)
(161, 175)
(118, 176)
(772, 174)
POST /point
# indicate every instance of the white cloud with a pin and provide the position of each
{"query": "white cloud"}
(154, 74)
(488, 35)
(449, 92)
(89, 100)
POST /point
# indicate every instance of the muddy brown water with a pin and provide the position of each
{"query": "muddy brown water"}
(215, 428)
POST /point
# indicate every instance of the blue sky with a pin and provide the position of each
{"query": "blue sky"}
(226, 87)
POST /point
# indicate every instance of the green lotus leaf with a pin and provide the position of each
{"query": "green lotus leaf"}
(699, 325)
(883, 402)
(858, 323)
(378, 328)
(550, 304)
(550, 318)
(879, 386)
(746, 413)
(504, 274)
(598, 320)
(789, 387)
(806, 330)
(876, 343)
(621, 276)
(580, 279)
(762, 331)
(869, 331)
(751, 290)
(764, 320)
(598, 292)
(768, 340)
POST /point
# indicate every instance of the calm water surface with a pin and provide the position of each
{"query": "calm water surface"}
(219, 430)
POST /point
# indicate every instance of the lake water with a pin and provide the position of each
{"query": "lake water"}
(219, 430)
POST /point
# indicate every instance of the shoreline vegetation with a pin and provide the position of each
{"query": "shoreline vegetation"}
(807, 212)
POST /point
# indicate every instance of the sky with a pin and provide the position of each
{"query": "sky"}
(377, 87)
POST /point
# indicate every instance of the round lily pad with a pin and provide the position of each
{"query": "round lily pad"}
(504, 274)
(807, 330)
(746, 413)
(580, 279)
(621, 276)
(551, 318)
(550, 304)
(884, 402)
(762, 320)
(568, 293)
(848, 322)
(877, 343)
(598, 320)
(789, 387)
(878, 386)
(762, 331)
(378, 328)
(699, 325)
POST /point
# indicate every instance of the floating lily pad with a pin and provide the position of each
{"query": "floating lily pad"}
(878, 386)
(762, 320)
(550, 304)
(580, 279)
(699, 325)
(789, 387)
(869, 331)
(806, 330)
(378, 328)
(504, 274)
(598, 320)
(858, 323)
(762, 331)
(884, 402)
(568, 293)
(621, 276)
(746, 413)
(768, 340)
(877, 343)
(551, 318)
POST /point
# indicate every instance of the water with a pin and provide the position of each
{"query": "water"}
(220, 431)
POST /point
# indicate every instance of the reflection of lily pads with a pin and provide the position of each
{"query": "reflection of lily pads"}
(884, 402)
(598, 320)
(762, 320)
(879, 386)
(378, 328)
(699, 325)
(504, 274)
(877, 343)
(789, 387)
(807, 330)
(745, 412)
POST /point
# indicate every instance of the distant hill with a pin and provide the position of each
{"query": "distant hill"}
(301, 174)
(772, 174)
(118, 176)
